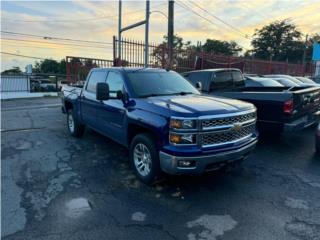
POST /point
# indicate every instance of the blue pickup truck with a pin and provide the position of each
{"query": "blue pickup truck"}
(166, 124)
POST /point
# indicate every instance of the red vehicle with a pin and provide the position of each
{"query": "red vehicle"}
(318, 139)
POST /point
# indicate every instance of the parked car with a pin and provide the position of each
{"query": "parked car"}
(318, 139)
(47, 86)
(261, 82)
(61, 84)
(286, 82)
(162, 119)
(306, 80)
(293, 79)
(280, 109)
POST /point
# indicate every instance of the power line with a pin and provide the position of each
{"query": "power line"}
(53, 43)
(25, 56)
(183, 5)
(51, 47)
(55, 38)
(186, 7)
(220, 20)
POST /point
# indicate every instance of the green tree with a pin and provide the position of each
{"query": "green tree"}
(50, 66)
(221, 47)
(161, 51)
(280, 41)
(12, 71)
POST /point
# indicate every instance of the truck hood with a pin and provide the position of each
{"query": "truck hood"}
(192, 105)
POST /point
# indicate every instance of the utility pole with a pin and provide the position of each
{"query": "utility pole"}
(146, 36)
(137, 24)
(170, 31)
(119, 30)
(304, 54)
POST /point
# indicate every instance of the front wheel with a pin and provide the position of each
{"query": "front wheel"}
(144, 158)
(76, 129)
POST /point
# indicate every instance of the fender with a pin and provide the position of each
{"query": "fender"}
(156, 124)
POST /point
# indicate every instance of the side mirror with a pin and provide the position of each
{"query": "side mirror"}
(199, 86)
(102, 91)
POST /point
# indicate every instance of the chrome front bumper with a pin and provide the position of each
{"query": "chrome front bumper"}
(203, 163)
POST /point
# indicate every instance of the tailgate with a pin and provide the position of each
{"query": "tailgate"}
(306, 101)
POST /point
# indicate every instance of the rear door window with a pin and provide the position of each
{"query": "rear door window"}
(238, 80)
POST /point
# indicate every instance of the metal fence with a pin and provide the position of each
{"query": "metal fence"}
(37, 82)
(132, 55)
(15, 83)
(77, 68)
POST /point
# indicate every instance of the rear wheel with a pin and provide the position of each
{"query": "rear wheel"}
(144, 158)
(76, 129)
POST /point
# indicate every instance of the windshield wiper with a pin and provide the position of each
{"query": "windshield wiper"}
(152, 95)
(181, 93)
(164, 94)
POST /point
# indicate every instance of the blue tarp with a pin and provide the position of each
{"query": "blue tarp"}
(316, 52)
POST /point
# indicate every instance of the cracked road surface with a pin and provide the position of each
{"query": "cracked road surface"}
(58, 187)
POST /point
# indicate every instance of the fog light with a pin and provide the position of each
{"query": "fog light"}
(186, 163)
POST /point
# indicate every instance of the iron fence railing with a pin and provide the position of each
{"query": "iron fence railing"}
(132, 55)
(77, 68)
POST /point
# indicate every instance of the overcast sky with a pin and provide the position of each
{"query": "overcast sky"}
(97, 21)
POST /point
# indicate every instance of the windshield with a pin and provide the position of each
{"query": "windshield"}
(146, 84)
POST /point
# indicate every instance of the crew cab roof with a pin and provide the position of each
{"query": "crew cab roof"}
(215, 70)
(132, 69)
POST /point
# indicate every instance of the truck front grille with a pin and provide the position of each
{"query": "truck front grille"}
(227, 121)
(227, 136)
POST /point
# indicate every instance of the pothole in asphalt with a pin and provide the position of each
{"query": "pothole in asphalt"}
(77, 207)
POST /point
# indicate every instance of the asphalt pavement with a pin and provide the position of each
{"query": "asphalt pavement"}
(58, 187)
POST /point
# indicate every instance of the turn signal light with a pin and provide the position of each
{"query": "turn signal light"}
(175, 138)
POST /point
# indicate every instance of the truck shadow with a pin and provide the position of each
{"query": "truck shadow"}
(110, 171)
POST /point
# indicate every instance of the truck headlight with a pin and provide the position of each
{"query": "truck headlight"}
(182, 138)
(182, 123)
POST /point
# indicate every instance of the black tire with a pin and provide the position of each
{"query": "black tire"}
(155, 171)
(78, 129)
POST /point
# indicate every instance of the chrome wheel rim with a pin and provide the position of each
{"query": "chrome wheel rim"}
(71, 123)
(142, 159)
